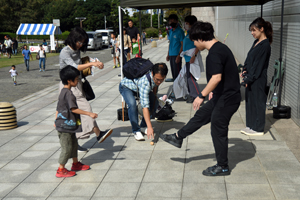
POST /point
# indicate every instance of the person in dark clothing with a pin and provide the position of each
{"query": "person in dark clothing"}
(133, 32)
(223, 88)
(15, 46)
(255, 76)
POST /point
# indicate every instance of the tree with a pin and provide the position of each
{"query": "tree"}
(180, 12)
(114, 16)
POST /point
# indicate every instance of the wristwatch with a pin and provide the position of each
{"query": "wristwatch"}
(201, 96)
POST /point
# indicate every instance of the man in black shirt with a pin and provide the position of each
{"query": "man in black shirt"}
(223, 88)
(132, 31)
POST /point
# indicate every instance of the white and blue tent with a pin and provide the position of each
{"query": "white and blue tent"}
(40, 29)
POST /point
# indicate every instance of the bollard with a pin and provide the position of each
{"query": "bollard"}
(8, 116)
(153, 44)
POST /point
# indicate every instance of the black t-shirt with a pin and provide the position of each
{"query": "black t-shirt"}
(66, 120)
(220, 60)
(132, 32)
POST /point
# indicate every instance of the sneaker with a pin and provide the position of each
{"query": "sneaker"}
(245, 130)
(81, 149)
(138, 136)
(79, 167)
(114, 66)
(253, 133)
(171, 139)
(164, 119)
(64, 173)
(118, 64)
(144, 130)
(103, 135)
(216, 170)
(40, 70)
(15, 84)
(190, 99)
(43, 70)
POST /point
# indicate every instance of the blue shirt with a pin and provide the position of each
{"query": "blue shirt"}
(26, 54)
(187, 45)
(176, 37)
(144, 88)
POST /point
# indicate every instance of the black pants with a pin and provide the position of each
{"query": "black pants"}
(144, 40)
(256, 99)
(219, 116)
(192, 84)
(175, 67)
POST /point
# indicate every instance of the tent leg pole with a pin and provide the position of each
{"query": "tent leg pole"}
(280, 55)
(141, 38)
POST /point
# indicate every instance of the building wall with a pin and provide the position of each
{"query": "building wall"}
(235, 21)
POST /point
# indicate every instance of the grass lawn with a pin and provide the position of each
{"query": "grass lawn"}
(18, 59)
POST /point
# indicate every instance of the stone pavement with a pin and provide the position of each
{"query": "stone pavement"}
(263, 167)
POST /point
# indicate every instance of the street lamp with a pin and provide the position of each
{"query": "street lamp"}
(81, 20)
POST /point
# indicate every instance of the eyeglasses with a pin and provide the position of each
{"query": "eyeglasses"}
(158, 80)
(80, 43)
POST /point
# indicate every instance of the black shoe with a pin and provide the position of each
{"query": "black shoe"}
(103, 135)
(216, 170)
(171, 139)
(190, 99)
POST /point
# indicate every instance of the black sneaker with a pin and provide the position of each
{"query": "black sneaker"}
(190, 99)
(216, 170)
(171, 139)
(103, 135)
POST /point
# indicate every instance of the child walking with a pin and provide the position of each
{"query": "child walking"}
(67, 123)
(13, 73)
(135, 47)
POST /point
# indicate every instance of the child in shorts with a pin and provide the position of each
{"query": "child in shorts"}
(114, 50)
(67, 123)
(13, 73)
(135, 47)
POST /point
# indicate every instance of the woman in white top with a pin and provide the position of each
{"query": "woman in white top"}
(70, 55)
(42, 55)
(127, 44)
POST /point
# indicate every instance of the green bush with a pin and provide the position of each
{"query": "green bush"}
(151, 32)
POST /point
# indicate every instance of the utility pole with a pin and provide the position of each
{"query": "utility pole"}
(151, 17)
(81, 20)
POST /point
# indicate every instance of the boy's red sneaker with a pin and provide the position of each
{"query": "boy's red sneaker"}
(64, 173)
(79, 167)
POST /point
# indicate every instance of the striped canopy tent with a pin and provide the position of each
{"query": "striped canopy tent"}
(40, 29)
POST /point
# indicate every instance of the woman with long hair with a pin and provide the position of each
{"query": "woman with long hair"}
(76, 43)
(255, 76)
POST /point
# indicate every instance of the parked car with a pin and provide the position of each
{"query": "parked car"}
(95, 40)
(105, 36)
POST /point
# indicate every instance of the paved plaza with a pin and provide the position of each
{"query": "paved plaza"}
(263, 167)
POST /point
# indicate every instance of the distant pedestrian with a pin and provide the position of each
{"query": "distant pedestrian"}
(42, 55)
(127, 45)
(15, 47)
(45, 43)
(160, 35)
(114, 50)
(13, 73)
(132, 31)
(26, 53)
(8, 45)
(144, 38)
(67, 123)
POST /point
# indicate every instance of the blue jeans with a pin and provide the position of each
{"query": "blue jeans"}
(129, 97)
(44, 62)
(14, 51)
(26, 64)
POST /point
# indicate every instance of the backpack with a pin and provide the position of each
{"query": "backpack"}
(165, 114)
(136, 68)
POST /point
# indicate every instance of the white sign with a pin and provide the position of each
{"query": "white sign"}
(37, 48)
(56, 22)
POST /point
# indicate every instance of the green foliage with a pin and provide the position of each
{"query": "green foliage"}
(114, 16)
(63, 36)
(151, 32)
(145, 19)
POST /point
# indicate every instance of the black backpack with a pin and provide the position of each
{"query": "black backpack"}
(136, 68)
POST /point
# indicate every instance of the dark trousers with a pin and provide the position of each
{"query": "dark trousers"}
(192, 84)
(175, 67)
(144, 40)
(256, 99)
(219, 116)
